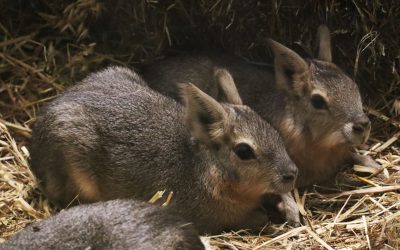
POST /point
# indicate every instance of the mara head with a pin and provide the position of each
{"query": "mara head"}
(327, 102)
(246, 155)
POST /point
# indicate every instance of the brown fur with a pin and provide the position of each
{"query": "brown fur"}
(230, 192)
(317, 157)
(313, 137)
(227, 91)
(324, 44)
(85, 183)
(319, 140)
(111, 137)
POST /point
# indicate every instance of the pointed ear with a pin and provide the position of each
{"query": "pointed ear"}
(324, 44)
(292, 73)
(227, 91)
(205, 117)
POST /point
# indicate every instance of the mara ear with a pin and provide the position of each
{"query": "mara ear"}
(292, 73)
(204, 116)
(227, 91)
(324, 44)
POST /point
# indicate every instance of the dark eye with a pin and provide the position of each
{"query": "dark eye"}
(318, 102)
(244, 151)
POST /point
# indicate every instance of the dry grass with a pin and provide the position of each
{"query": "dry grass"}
(48, 45)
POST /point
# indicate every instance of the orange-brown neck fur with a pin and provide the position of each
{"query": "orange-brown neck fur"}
(318, 159)
(235, 198)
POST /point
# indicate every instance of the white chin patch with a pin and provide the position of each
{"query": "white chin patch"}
(350, 136)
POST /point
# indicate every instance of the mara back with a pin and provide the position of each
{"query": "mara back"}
(116, 224)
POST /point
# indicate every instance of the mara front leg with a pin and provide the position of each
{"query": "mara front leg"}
(288, 207)
(364, 160)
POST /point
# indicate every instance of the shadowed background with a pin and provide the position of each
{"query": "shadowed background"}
(45, 46)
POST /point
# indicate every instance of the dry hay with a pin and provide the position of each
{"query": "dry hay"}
(45, 47)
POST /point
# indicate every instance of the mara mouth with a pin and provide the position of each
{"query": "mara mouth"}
(282, 187)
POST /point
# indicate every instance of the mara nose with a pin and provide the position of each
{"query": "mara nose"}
(291, 174)
(361, 124)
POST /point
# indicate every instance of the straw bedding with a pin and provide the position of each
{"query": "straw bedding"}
(45, 46)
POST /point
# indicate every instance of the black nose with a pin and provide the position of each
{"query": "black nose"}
(361, 124)
(290, 175)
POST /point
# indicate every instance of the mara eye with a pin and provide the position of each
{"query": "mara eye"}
(244, 151)
(318, 102)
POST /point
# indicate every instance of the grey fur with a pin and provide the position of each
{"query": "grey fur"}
(318, 141)
(250, 81)
(112, 137)
(116, 224)
(277, 103)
